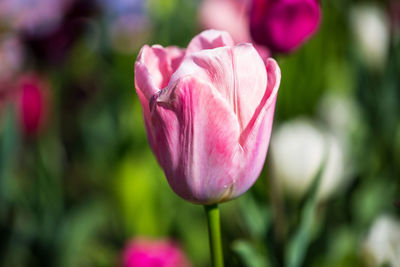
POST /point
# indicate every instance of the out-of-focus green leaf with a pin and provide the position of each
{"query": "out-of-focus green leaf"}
(79, 231)
(257, 218)
(298, 244)
(373, 197)
(137, 191)
(9, 148)
(249, 254)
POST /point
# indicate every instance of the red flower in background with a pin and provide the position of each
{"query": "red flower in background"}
(284, 25)
(32, 104)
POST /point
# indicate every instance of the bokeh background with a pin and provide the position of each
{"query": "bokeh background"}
(78, 181)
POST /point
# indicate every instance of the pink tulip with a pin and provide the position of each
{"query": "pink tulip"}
(284, 25)
(147, 253)
(208, 112)
(32, 104)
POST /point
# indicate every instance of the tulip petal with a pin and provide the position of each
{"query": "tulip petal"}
(255, 138)
(250, 82)
(238, 73)
(198, 131)
(153, 70)
(208, 40)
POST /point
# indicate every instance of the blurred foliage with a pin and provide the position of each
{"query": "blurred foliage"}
(75, 194)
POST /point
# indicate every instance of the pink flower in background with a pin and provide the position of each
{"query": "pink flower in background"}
(32, 104)
(11, 56)
(227, 15)
(148, 253)
(231, 16)
(284, 25)
(208, 112)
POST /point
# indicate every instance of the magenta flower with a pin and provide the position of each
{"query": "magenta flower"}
(208, 112)
(31, 104)
(147, 253)
(284, 25)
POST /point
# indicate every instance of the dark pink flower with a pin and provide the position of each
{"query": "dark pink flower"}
(157, 253)
(284, 25)
(32, 104)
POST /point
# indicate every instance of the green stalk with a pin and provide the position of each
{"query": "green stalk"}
(214, 233)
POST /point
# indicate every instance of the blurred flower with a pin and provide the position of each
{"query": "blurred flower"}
(127, 23)
(370, 26)
(32, 104)
(11, 56)
(34, 16)
(231, 16)
(342, 115)
(208, 112)
(284, 25)
(148, 253)
(382, 245)
(227, 15)
(298, 150)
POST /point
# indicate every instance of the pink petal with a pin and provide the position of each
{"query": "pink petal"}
(208, 40)
(154, 67)
(153, 70)
(238, 73)
(197, 135)
(255, 138)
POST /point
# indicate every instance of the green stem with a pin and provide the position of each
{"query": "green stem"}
(214, 233)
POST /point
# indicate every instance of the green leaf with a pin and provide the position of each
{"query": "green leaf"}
(9, 143)
(249, 254)
(256, 217)
(298, 244)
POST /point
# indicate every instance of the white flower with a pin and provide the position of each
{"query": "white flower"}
(370, 26)
(298, 149)
(382, 245)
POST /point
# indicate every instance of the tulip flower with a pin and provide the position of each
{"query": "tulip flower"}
(298, 150)
(153, 253)
(208, 112)
(284, 25)
(370, 26)
(382, 245)
(31, 104)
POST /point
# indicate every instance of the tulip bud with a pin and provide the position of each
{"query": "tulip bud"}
(147, 253)
(208, 112)
(370, 25)
(298, 151)
(284, 25)
(32, 104)
(382, 245)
